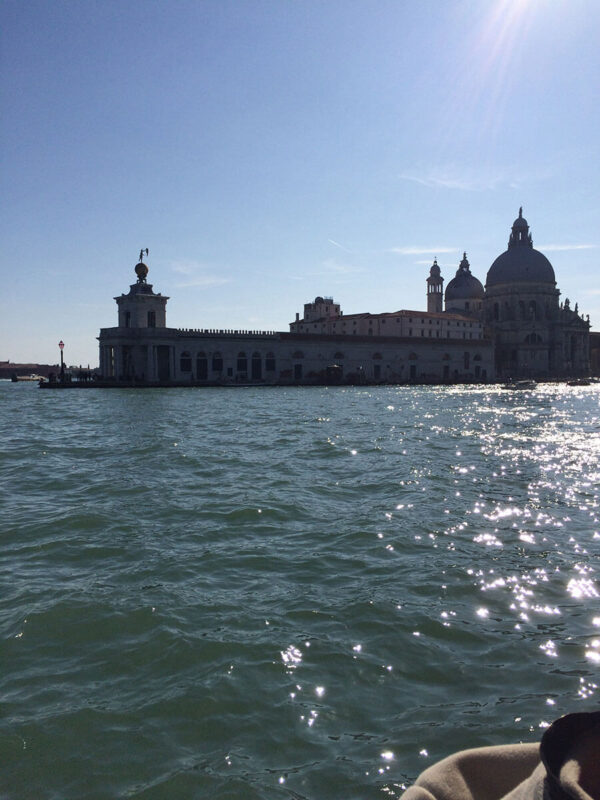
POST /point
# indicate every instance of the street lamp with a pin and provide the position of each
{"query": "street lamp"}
(61, 347)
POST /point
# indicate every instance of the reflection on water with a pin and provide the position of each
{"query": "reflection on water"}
(308, 593)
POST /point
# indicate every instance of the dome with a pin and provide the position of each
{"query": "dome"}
(434, 272)
(464, 286)
(520, 263)
(520, 221)
(141, 270)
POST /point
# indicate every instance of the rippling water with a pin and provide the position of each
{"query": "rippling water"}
(289, 593)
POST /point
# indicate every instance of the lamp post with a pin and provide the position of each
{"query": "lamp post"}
(61, 347)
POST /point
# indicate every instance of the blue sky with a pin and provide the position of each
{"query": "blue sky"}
(266, 152)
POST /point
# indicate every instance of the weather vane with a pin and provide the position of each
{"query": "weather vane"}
(142, 251)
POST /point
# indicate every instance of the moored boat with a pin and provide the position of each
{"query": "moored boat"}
(579, 382)
(527, 384)
(18, 378)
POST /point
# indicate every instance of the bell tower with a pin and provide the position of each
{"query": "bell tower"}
(435, 289)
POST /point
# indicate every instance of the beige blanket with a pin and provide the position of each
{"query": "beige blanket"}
(565, 766)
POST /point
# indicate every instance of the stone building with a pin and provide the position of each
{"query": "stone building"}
(324, 347)
(534, 335)
(514, 327)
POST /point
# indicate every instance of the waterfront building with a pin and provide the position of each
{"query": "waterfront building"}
(512, 328)
(534, 335)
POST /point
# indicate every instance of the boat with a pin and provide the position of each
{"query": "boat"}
(18, 378)
(527, 385)
(579, 382)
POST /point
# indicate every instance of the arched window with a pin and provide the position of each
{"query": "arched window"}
(185, 362)
(533, 311)
(533, 338)
(270, 362)
(201, 367)
(242, 362)
(217, 362)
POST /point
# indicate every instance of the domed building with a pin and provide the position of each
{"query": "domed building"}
(533, 335)
(514, 328)
(464, 293)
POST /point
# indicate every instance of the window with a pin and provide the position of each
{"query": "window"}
(533, 338)
(242, 363)
(377, 356)
(185, 362)
(270, 362)
(217, 362)
(256, 366)
(337, 356)
(127, 319)
(152, 319)
(201, 367)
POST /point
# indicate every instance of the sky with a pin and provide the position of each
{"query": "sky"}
(268, 151)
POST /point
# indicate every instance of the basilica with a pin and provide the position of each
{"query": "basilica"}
(515, 327)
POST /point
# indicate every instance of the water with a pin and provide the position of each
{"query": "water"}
(289, 593)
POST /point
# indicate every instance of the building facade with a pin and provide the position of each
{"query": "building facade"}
(514, 327)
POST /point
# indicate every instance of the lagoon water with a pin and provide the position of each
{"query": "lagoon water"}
(307, 593)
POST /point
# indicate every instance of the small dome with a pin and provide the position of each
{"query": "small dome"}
(434, 272)
(520, 221)
(464, 286)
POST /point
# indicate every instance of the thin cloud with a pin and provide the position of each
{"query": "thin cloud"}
(462, 182)
(419, 251)
(337, 244)
(197, 274)
(557, 247)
